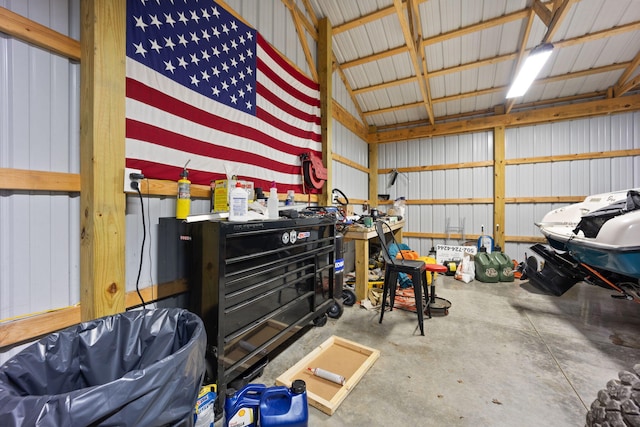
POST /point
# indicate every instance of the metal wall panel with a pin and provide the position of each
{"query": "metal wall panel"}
(342, 97)
(565, 178)
(353, 182)
(440, 184)
(39, 130)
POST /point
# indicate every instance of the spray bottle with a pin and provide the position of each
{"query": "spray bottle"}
(183, 202)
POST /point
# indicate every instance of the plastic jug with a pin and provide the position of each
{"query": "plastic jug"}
(272, 202)
(241, 407)
(282, 406)
(486, 268)
(239, 204)
(505, 266)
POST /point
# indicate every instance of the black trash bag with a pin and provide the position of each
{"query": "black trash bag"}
(138, 368)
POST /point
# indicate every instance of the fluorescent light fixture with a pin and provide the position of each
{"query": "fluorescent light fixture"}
(529, 71)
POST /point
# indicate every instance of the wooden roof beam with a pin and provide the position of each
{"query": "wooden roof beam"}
(523, 118)
(523, 44)
(500, 20)
(552, 19)
(296, 14)
(543, 12)
(558, 16)
(633, 26)
(363, 20)
(314, 18)
(375, 57)
(488, 91)
(391, 83)
(621, 86)
(417, 64)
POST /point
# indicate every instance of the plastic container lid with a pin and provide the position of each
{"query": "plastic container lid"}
(298, 387)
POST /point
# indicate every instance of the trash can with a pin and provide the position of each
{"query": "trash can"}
(138, 368)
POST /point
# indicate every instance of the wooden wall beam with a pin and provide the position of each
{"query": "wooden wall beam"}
(373, 174)
(25, 329)
(543, 115)
(102, 136)
(31, 32)
(22, 179)
(499, 185)
(325, 76)
(349, 121)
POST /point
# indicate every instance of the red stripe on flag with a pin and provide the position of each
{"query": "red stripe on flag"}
(149, 133)
(282, 105)
(290, 70)
(138, 91)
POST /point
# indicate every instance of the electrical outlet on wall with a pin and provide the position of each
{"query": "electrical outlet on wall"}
(128, 181)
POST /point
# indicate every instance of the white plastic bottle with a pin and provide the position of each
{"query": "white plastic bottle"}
(239, 204)
(272, 203)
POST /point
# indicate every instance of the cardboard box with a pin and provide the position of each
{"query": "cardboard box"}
(220, 190)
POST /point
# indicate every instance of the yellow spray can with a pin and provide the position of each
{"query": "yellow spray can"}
(183, 202)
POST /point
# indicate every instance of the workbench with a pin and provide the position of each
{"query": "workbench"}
(361, 237)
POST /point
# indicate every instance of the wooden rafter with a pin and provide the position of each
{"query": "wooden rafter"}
(631, 84)
(488, 91)
(543, 12)
(558, 16)
(610, 32)
(365, 19)
(621, 86)
(312, 25)
(415, 22)
(351, 93)
(474, 28)
(415, 60)
(440, 38)
(375, 57)
(523, 44)
(391, 83)
(493, 60)
(633, 26)
(552, 19)
(297, 21)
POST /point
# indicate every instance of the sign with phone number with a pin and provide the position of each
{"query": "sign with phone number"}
(449, 252)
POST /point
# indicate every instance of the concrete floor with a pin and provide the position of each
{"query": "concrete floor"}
(504, 356)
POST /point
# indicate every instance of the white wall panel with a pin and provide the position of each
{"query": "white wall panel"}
(39, 130)
(567, 178)
(353, 182)
(558, 178)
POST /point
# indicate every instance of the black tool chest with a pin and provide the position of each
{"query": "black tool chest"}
(255, 284)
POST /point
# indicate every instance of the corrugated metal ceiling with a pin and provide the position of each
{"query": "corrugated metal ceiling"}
(467, 53)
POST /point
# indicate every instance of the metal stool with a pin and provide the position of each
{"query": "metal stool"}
(433, 269)
(417, 269)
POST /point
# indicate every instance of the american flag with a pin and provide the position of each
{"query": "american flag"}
(205, 88)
